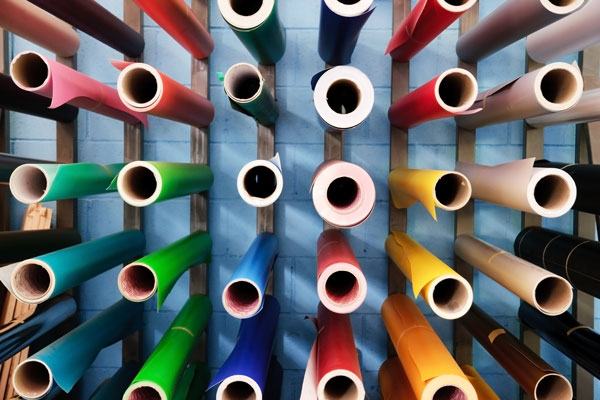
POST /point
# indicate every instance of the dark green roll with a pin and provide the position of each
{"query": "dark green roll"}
(19, 245)
(194, 382)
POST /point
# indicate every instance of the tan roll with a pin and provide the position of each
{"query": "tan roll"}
(586, 110)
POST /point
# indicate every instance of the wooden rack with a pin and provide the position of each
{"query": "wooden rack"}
(4, 136)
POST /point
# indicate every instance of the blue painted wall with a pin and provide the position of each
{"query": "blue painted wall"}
(299, 141)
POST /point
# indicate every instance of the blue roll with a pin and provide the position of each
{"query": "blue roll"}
(340, 28)
(243, 295)
(65, 361)
(274, 380)
(246, 370)
(114, 387)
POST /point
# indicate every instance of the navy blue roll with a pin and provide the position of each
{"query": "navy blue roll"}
(274, 381)
(340, 28)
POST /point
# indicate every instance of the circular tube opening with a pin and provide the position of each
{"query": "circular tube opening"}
(343, 192)
(343, 96)
(241, 298)
(137, 282)
(551, 192)
(140, 86)
(342, 287)
(558, 86)
(139, 183)
(32, 379)
(246, 7)
(456, 89)
(562, 3)
(28, 184)
(340, 388)
(452, 191)
(348, 2)
(239, 391)
(144, 393)
(449, 393)
(260, 182)
(553, 387)
(242, 82)
(553, 295)
(456, 3)
(450, 295)
(31, 281)
(30, 70)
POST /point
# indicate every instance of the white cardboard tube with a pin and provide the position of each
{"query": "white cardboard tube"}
(340, 384)
(145, 390)
(239, 78)
(29, 71)
(348, 8)
(140, 87)
(32, 379)
(245, 14)
(33, 281)
(342, 288)
(139, 183)
(547, 292)
(260, 182)
(450, 296)
(29, 183)
(137, 282)
(242, 298)
(553, 386)
(239, 387)
(343, 97)
(586, 110)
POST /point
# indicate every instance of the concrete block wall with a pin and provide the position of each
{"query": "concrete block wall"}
(299, 140)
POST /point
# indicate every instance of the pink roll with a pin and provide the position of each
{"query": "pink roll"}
(341, 285)
(343, 193)
(40, 75)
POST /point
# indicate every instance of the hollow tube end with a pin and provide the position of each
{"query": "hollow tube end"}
(137, 282)
(32, 379)
(33, 281)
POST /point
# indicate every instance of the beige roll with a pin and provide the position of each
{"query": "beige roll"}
(548, 292)
(587, 110)
(549, 192)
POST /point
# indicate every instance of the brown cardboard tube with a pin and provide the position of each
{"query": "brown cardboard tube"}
(29, 70)
(137, 282)
(243, 82)
(242, 298)
(32, 379)
(29, 183)
(33, 281)
(140, 185)
(452, 191)
(449, 295)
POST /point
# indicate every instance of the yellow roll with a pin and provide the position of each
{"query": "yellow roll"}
(484, 391)
(448, 190)
(448, 294)
(394, 382)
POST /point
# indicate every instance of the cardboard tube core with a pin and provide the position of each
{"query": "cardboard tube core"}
(139, 183)
(457, 89)
(343, 96)
(552, 192)
(260, 182)
(455, 3)
(241, 298)
(340, 388)
(140, 86)
(452, 191)
(343, 192)
(28, 183)
(558, 86)
(144, 393)
(31, 281)
(553, 295)
(243, 82)
(137, 282)
(239, 390)
(553, 387)
(342, 287)
(246, 7)
(450, 295)
(29, 70)
(562, 3)
(32, 379)
(449, 393)
(348, 2)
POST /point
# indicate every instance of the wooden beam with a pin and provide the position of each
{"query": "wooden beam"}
(4, 136)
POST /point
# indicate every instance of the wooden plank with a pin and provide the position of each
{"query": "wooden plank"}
(4, 136)
(464, 218)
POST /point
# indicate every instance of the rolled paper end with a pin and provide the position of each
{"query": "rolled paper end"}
(558, 86)
(242, 298)
(342, 288)
(551, 193)
(562, 7)
(260, 183)
(140, 86)
(457, 6)
(456, 90)
(243, 82)
(349, 8)
(553, 386)
(239, 387)
(245, 14)
(450, 296)
(29, 183)
(145, 390)
(553, 295)
(452, 191)
(340, 384)
(32, 379)
(137, 282)
(449, 387)
(139, 183)
(29, 70)
(33, 281)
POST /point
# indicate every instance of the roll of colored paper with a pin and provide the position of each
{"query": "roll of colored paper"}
(249, 94)
(449, 94)
(571, 34)
(16, 99)
(193, 383)
(18, 245)
(447, 293)
(274, 381)
(141, 183)
(143, 88)
(158, 272)
(586, 110)
(343, 193)
(341, 284)
(511, 21)
(536, 377)
(547, 292)
(448, 190)
(425, 22)
(65, 361)
(15, 337)
(34, 183)
(37, 26)
(38, 279)
(339, 28)
(333, 370)
(10, 162)
(548, 192)
(571, 257)
(244, 373)
(243, 296)
(160, 374)
(393, 381)
(578, 342)
(551, 88)
(256, 23)
(180, 22)
(41, 75)
(429, 367)
(343, 97)
(484, 391)
(95, 20)
(114, 387)
(260, 182)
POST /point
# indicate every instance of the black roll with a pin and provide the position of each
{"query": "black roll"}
(17, 246)
(9, 162)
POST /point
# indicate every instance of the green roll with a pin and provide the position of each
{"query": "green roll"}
(194, 382)
(33, 183)
(160, 270)
(256, 23)
(18, 245)
(38, 279)
(159, 377)
(249, 94)
(142, 183)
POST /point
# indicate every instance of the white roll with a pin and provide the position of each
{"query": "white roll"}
(549, 192)
(260, 182)
(343, 97)
(245, 14)
(587, 110)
